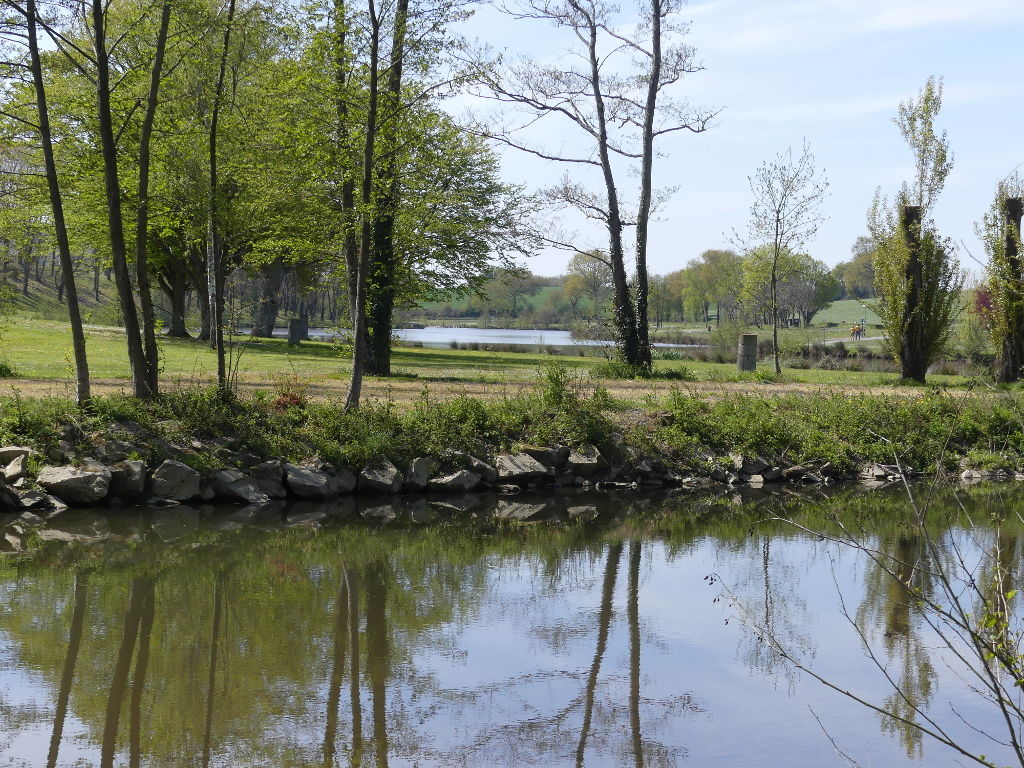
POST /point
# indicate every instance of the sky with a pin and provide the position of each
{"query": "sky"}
(831, 72)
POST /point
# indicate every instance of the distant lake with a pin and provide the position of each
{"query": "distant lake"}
(440, 338)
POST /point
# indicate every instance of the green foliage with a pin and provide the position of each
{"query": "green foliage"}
(925, 330)
(842, 430)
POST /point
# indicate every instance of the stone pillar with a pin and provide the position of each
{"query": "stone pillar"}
(298, 330)
(746, 352)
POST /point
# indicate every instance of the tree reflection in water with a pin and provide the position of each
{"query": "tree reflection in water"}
(261, 647)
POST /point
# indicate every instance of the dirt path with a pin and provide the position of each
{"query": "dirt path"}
(408, 390)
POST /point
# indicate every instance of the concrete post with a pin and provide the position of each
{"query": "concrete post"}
(298, 330)
(746, 352)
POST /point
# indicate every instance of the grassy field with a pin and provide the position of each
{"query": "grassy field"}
(40, 352)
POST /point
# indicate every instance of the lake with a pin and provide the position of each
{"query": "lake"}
(608, 631)
(441, 338)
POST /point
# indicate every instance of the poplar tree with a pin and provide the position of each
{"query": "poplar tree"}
(917, 275)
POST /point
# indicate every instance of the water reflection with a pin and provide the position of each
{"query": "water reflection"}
(282, 637)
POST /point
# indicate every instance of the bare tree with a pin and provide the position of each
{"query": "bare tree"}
(619, 111)
(785, 216)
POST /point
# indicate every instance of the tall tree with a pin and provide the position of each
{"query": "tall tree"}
(1000, 230)
(619, 113)
(29, 37)
(917, 276)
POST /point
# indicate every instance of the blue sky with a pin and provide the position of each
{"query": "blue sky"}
(830, 71)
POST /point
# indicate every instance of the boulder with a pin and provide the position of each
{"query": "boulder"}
(128, 479)
(746, 465)
(114, 450)
(11, 542)
(9, 453)
(381, 477)
(584, 512)
(463, 480)
(176, 481)
(233, 485)
(585, 460)
(269, 478)
(546, 456)
(9, 498)
(420, 472)
(76, 486)
(307, 483)
(15, 470)
(518, 467)
(488, 473)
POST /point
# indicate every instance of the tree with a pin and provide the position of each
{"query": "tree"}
(619, 113)
(917, 276)
(786, 213)
(1000, 231)
(858, 274)
(590, 275)
(40, 125)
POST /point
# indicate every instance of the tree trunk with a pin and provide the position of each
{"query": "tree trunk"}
(122, 667)
(142, 212)
(624, 311)
(265, 314)
(115, 221)
(175, 285)
(215, 254)
(361, 267)
(67, 266)
(633, 615)
(912, 354)
(382, 295)
(646, 188)
(1011, 360)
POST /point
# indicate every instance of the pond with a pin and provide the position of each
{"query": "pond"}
(438, 337)
(613, 631)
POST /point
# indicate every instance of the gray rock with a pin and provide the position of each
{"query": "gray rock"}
(114, 450)
(306, 482)
(269, 478)
(508, 489)
(585, 460)
(76, 486)
(128, 479)
(488, 473)
(233, 485)
(11, 542)
(511, 510)
(420, 472)
(15, 470)
(518, 467)
(382, 477)
(176, 481)
(463, 480)
(90, 528)
(9, 453)
(746, 465)
(546, 456)
(8, 498)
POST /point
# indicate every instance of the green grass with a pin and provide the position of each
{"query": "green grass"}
(41, 350)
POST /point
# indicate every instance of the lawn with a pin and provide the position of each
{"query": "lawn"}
(40, 352)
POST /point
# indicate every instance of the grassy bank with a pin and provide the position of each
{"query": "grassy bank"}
(829, 431)
(40, 354)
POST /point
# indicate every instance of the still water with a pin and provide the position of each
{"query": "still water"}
(614, 632)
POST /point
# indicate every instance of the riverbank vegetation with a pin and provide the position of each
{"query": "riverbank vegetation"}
(834, 432)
